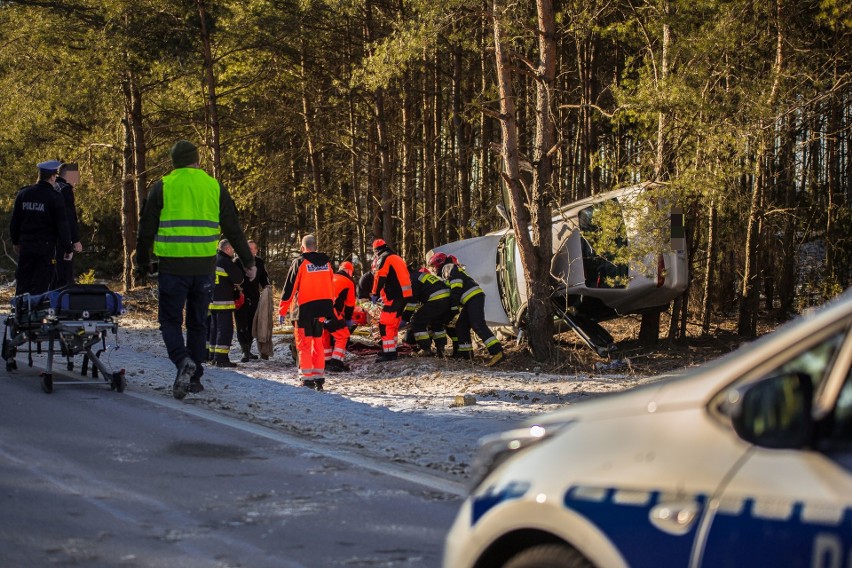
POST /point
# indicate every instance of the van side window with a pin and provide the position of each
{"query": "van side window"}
(603, 269)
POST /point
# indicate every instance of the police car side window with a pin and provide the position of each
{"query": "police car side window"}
(815, 362)
(840, 435)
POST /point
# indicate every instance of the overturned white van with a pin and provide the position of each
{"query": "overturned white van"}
(588, 287)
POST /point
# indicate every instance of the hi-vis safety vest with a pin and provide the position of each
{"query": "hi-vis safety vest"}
(189, 221)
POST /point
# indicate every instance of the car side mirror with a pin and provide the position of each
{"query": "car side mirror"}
(774, 412)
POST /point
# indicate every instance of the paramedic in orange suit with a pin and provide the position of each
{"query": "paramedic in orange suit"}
(337, 331)
(393, 283)
(309, 284)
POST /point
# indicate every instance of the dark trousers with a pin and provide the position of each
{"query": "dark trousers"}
(64, 270)
(35, 270)
(193, 293)
(473, 317)
(431, 316)
(221, 334)
(244, 318)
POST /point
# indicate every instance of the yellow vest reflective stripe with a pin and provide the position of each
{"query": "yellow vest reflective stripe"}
(189, 221)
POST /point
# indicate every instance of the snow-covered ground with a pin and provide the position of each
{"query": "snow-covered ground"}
(407, 411)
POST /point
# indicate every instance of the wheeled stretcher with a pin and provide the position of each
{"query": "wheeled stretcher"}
(76, 317)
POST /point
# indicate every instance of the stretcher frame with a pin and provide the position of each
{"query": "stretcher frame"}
(77, 335)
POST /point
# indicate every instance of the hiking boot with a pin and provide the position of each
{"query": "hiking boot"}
(336, 366)
(265, 357)
(318, 383)
(186, 368)
(244, 359)
(464, 355)
(196, 387)
(225, 363)
(310, 383)
(389, 356)
(494, 359)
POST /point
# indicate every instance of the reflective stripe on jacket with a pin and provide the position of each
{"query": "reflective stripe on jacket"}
(392, 278)
(428, 287)
(462, 286)
(189, 220)
(309, 282)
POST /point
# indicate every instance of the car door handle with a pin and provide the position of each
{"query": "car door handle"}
(676, 517)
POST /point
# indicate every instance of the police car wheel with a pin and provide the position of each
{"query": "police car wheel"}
(548, 556)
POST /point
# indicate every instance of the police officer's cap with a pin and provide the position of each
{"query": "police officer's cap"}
(50, 165)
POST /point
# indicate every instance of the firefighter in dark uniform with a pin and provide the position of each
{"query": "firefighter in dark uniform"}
(470, 300)
(427, 311)
(39, 227)
(309, 283)
(392, 283)
(65, 268)
(337, 331)
(229, 276)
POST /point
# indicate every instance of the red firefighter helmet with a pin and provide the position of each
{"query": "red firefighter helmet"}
(347, 267)
(438, 260)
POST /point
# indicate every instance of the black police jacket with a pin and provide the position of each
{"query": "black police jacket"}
(39, 217)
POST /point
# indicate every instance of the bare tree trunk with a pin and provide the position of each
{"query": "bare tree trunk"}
(129, 209)
(407, 205)
(314, 157)
(211, 106)
(747, 324)
(535, 251)
(140, 147)
(461, 144)
(709, 265)
(428, 171)
(649, 328)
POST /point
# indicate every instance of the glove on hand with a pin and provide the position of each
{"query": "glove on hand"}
(374, 298)
(281, 320)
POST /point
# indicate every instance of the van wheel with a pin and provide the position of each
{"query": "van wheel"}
(548, 556)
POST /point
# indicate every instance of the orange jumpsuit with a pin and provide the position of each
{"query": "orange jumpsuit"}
(335, 341)
(393, 282)
(309, 281)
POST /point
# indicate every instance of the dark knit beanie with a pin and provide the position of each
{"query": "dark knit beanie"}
(184, 153)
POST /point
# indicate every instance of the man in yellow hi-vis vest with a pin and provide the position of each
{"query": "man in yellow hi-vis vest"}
(182, 219)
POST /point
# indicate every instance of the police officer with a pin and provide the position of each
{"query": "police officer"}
(65, 268)
(39, 227)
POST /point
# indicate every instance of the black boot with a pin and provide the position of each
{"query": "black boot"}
(247, 354)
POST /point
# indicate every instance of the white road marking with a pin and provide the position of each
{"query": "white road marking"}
(400, 471)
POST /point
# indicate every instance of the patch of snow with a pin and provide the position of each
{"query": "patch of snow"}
(403, 411)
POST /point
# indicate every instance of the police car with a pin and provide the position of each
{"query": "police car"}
(745, 461)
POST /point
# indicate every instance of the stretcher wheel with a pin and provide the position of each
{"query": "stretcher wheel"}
(118, 382)
(47, 382)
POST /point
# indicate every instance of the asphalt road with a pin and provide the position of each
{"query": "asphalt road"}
(91, 477)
